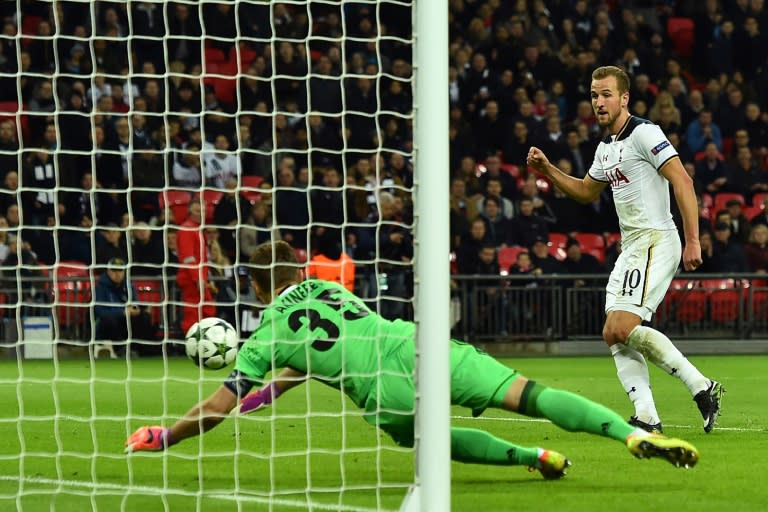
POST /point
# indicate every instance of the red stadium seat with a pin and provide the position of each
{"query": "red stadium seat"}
(211, 198)
(511, 169)
(72, 291)
(611, 239)
(681, 32)
(178, 202)
(150, 294)
(691, 305)
(750, 212)
(597, 252)
(558, 240)
(214, 56)
(721, 198)
(507, 257)
(590, 240)
(8, 111)
(250, 188)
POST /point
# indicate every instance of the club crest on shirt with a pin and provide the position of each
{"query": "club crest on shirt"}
(659, 147)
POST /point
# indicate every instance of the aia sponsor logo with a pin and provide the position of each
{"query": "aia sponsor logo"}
(616, 177)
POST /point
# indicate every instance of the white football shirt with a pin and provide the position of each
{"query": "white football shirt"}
(630, 162)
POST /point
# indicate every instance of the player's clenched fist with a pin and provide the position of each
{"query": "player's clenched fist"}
(148, 439)
(538, 160)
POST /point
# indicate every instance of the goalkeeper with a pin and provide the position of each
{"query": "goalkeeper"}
(320, 329)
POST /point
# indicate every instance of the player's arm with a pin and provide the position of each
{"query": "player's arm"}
(201, 418)
(682, 185)
(287, 379)
(583, 190)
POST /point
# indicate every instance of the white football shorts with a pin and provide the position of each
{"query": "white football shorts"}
(643, 272)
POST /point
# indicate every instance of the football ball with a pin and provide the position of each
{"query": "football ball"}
(212, 343)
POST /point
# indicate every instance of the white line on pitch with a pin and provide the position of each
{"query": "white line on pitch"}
(540, 420)
(143, 489)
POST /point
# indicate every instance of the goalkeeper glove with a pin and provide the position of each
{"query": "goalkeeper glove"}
(149, 439)
(257, 399)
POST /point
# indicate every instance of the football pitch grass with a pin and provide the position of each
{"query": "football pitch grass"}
(287, 461)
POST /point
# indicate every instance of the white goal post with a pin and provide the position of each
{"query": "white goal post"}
(125, 115)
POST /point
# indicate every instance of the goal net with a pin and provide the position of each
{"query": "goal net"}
(122, 126)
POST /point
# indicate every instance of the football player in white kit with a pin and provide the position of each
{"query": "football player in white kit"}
(638, 162)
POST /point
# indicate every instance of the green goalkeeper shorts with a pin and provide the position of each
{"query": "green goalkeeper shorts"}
(478, 381)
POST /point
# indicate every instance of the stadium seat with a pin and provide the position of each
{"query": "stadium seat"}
(750, 212)
(177, 201)
(707, 201)
(250, 188)
(611, 239)
(681, 32)
(691, 305)
(721, 198)
(590, 240)
(72, 291)
(558, 240)
(247, 55)
(507, 257)
(211, 198)
(597, 252)
(150, 294)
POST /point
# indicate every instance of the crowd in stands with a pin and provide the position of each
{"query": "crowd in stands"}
(294, 121)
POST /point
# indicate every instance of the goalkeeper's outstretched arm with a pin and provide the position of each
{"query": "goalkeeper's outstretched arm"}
(210, 412)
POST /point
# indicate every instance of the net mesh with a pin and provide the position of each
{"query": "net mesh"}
(120, 121)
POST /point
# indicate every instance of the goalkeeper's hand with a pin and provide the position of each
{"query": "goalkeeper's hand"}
(257, 399)
(148, 439)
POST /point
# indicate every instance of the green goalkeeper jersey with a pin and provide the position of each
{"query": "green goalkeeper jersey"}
(321, 329)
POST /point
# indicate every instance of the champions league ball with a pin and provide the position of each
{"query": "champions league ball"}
(212, 343)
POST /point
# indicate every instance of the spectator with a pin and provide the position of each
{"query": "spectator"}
(147, 253)
(703, 131)
(186, 170)
(493, 188)
(757, 249)
(463, 210)
(541, 259)
(506, 180)
(330, 263)
(256, 230)
(39, 177)
(110, 244)
(496, 225)
(762, 217)
(221, 275)
(291, 209)
(757, 128)
(221, 165)
(9, 193)
(711, 174)
(395, 244)
(728, 254)
(487, 297)
(9, 148)
(526, 227)
(118, 317)
(740, 226)
(578, 262)
(226, 215)
(745, 177)
(192, 277)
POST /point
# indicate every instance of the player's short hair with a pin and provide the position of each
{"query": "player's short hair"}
(274, 258)
(622, 79)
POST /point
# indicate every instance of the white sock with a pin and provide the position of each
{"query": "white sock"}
(660, 351)
(633, 375)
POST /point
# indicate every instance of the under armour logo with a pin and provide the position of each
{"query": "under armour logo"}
(632, 390)
(605, 426)
(605, 158)
(511, 454)
(674, 371)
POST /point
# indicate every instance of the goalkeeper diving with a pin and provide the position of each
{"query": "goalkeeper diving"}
(318, 329)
